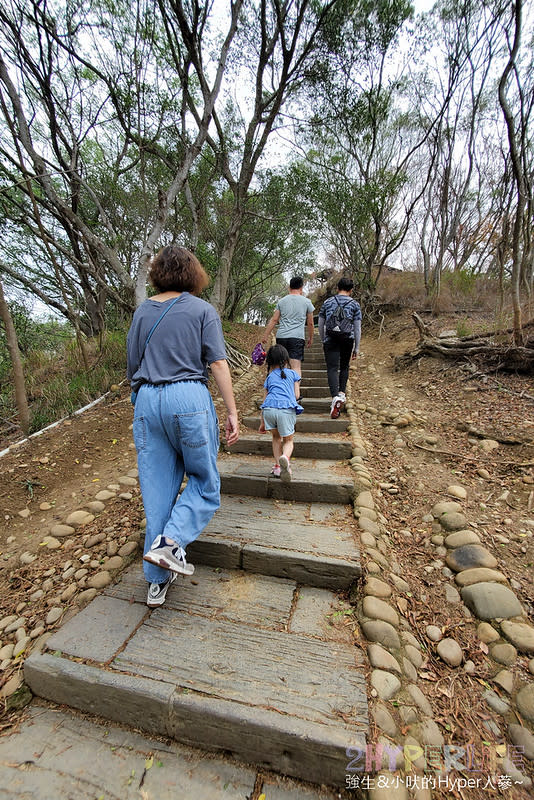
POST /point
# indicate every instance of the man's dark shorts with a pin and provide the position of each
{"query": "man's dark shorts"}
(295, 347)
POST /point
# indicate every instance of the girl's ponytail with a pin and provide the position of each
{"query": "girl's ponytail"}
(277, 356)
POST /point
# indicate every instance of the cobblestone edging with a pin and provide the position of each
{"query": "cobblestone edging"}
(92, 562)
(398, 706)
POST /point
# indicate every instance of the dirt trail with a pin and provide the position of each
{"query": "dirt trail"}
(66, 466)
(412, 466)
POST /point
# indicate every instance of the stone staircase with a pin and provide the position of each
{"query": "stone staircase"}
(250, 655)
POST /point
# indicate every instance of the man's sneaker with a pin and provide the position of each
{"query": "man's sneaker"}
(335, 408)
(285, 469)
(168, 556)
(342, 396)
(157, 592)
(276, 470)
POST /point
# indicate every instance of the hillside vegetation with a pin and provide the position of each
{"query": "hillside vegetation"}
(57, 382)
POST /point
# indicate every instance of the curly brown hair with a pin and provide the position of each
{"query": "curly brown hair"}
(175, 269)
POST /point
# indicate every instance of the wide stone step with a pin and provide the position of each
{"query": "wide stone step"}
(314, 405)
(308, 423)
(307, 445)
(321, 382)
(317, 405)
(314, 375)
(310, 543)
(316, 383)
(233, 662)
(312, 479)
(309, 390)
(65, 768)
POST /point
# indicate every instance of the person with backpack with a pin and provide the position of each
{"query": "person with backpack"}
(340, 320)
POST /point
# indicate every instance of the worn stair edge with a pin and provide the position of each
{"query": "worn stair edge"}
(299, 491)
(322, 572)
(308, 423)
(321, 383)
(328, 449)
(327, 573)
(317, 405)
(298, 748)
(315, 392)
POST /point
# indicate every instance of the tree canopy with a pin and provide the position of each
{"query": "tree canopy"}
(269, 136)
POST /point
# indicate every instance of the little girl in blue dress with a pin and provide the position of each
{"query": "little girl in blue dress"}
(280, 408)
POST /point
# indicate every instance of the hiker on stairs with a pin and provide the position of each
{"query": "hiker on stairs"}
(280, 408)
(340, 320)
(294, 317)
(173, 338)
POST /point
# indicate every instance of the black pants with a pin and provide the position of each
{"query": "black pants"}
(337, 356)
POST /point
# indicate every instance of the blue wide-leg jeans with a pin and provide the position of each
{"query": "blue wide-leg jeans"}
(176, 433)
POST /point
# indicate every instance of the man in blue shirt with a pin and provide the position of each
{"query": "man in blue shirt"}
(340, 346)
(294, 317)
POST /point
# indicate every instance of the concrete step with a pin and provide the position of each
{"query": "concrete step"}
(321, 381)
(311, 543)
(307, 445)
(65, 767)
(233, 662)
(313, 405)
(310, 390)
(312, 478)
(317, 405)
(308, 423)
(316, 376)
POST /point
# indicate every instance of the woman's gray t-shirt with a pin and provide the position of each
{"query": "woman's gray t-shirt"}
(185, 342)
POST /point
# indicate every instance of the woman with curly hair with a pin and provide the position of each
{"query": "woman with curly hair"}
(173, 339)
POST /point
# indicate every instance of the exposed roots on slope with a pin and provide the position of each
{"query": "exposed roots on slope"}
(236, 359)
(488, 355)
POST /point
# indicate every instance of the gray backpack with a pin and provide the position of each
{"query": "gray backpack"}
(340, 324)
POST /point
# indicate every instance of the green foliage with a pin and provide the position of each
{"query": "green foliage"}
(463, 328)
(275, 238)
(368, 24)
(460, 281)
(56, 382)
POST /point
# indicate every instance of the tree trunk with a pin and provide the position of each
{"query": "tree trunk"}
(519, 176)
(204, 119)
(21, 397)
(220, 286)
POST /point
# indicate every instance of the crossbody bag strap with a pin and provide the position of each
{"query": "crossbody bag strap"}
(155, 325)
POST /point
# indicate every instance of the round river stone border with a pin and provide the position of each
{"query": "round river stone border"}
(399, 708)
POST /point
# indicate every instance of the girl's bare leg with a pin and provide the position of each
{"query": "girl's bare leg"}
(277, 445)
(287, 446)
(296, 365)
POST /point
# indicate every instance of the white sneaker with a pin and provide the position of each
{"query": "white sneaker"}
(335, 408)
(157, 592)
(168, 556)
(342, 396)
